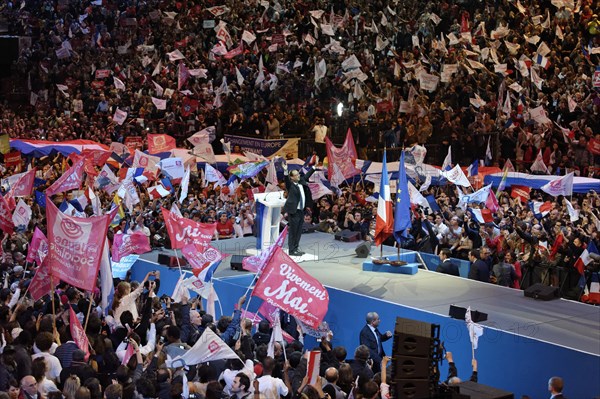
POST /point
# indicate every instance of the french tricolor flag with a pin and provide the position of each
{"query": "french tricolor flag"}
(540, 209)
(542, 61)
(585, 258)
(482, 215)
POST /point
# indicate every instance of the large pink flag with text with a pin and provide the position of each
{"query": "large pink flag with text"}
(184, 231)
(284, 284)
(126, 244)
(76, 246)
(70, 180)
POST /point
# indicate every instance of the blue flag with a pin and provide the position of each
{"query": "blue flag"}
(40, 198)
(402, 219)
(473, 169)
(433, 203)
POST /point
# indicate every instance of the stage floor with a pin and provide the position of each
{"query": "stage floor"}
(560, 322)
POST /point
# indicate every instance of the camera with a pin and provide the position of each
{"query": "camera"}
(164, 298)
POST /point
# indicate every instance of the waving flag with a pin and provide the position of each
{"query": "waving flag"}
(78, 333)
(208, 348)
(384, 226)
(107, 286)
(585, 258)
(481, 215)
(456, 176)
(402, 220)
(344, 157)
(41, 283)
(201, 256)
(38, 248)
(185, 182)
(256, 263)
(475, 330)
(540, 209)
(127, 244)
(214, 176)
(184, 231)
(24, 186)
(287, 286)
(158, 143)
(539, 165)
(473, 169)
(6, 223)
(560, 186)
(76, 247)
(520, 192)
(70, 180)
(248, 169)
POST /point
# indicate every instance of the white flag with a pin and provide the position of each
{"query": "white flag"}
(573, 213)
(208, 348)
(184, 185)
(157, 68)
(448, 160)
(159, 89)
(456, 176)
(560, 186)
(22, 214)
(539, 165)
(106, 280)
(119, 85)
(212, 175)
(175, 55)
(276, 335)
(239, 76)
(119, 117)
(475, 330)
(159, 104)
(271, 173)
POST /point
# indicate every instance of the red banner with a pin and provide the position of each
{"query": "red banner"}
(75, 246)
(134, 143)
(158, 143)
(97, 157)
(201, 256)
(184, 231)
(520, 192)
(24, 186)
(41, 283)
(70, 180)
(285, 285)
(102, 73)
(12, 158)
(126, 244)
(78, 333)
(38, 248)
(6, 223)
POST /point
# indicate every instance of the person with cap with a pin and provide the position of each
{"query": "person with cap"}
(298, 199)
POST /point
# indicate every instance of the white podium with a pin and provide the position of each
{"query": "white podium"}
(268, 215)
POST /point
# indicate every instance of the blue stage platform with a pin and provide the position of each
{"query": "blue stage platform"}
(524, 343)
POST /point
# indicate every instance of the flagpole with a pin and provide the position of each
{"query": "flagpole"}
(53, 309)
(178, 263)
(87, 317)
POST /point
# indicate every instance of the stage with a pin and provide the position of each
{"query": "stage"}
(522, 336)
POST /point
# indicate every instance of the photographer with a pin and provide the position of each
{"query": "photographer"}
(355, 221)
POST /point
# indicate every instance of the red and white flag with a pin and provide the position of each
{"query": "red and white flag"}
(76, 246)
(141, 160)
(520, 192)
(22, 214)
(560, 186)
(209, 348)
(70, 180)
(6, 222)
(41, 282)
(284, 284)
(160, 143)
(126, 244)
(24, 186)
(78, 333)
(313, 366)
(344, 157)
(38, 248)
(158, 192)
(256, 263)
(184, 231)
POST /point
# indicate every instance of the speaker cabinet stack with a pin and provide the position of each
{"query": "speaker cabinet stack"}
(416, 353)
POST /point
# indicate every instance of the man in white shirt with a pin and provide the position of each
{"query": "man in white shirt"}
(269, 386)
(44, 342)
(440, 229)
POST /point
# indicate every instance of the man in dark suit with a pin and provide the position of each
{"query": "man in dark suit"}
(479, 269)
(555, 386)
(298, 198)
(447, 266)
(373, 339)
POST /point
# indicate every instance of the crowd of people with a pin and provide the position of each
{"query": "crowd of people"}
(459, 74)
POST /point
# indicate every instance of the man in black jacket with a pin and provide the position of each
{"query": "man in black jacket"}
(479, 269)
(447, 266)
(298, 199)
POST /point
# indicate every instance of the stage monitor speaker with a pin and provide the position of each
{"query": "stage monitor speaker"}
(457, 312)
(236, 262)
(540, 291)
(164, 259)
(413, 389)
(475, 390)
(413, 338)
(363, 249)
(409, 367)
(347, 236)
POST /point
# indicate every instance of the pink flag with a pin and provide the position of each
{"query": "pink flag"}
(24, 186)
(6, 223)
(40, 284)
(78, 333)
(128, 353)
(256, 263)
(70, 180)
(344, 157)
(255, 318)
(201, 256)
(183, 74)
(284, 284)
(160, 143)
(269, 311)
(492, 202)
(126, 244)
(184, 231)
(76, 246)
(97, 157)
(38, 245)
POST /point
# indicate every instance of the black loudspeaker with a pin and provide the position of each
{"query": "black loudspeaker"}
(347, 236)
(363, 249)
(540, 291)
(456, 312)
(413, 389)
(164, 260)
(412, 367)
(236, 262)
(475, 390)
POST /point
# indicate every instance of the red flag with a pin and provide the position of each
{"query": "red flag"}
(24, 186)
(344, 157)
(558, 241)
(70, 180)
(234, 52)
(126, 244)
(184, 231)
(40, 283)
(201, 256)
(160, 143)
(6, 223)
(284, 284)
(520, 192)
(188, 106)
(128, 353)
(78, 333)
(97, 157)
(76, 246)
(39, 243)
(492, 202)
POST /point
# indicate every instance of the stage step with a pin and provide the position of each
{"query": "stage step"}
(411, 267)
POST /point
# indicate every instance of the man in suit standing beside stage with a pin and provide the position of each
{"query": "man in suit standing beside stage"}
(298, 198)
(373, 339)
(479, 269)
(447, 266)
(555, 387)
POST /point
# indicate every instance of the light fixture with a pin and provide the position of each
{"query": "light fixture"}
(340, 109)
